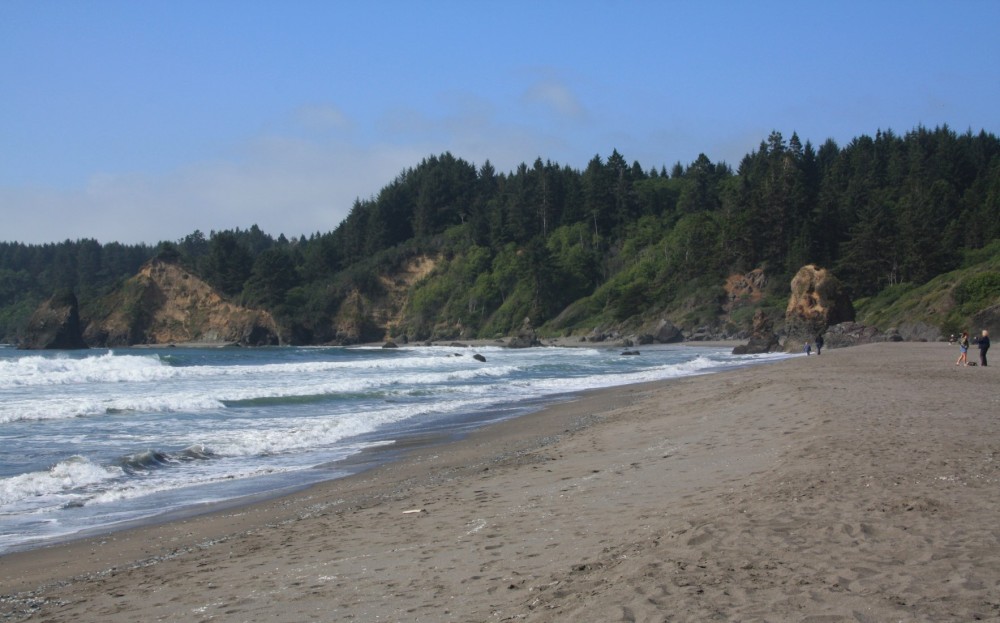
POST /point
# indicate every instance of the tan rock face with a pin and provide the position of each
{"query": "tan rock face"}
(165, 304)
(743, 290)
(390, 311)
(818, 300)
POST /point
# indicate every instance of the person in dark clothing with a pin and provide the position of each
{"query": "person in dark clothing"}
(819, 344)
(984, 345)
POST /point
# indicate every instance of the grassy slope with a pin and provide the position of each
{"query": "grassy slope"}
(934, 303)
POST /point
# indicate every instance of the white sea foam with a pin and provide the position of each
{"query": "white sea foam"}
(62, 370)
(62, 478)
(281, 436)
(156, 431)
(206, 388)
(112, 368)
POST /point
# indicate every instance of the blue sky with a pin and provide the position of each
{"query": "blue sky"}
(144, 121)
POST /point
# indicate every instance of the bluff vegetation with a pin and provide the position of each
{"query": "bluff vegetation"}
(448, 250)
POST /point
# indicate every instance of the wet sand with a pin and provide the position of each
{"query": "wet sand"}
(862, 485)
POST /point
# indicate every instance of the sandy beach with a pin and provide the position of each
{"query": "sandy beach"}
(862, 485)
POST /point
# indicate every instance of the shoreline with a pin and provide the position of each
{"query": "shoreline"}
(562, 342)
(383, 447)
(860, 485)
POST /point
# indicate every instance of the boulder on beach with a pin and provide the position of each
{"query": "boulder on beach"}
(526, 336)
(762, 337)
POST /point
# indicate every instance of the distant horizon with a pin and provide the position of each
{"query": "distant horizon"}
(144, 122)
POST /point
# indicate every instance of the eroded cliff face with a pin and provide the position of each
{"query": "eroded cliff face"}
(165, 304)
(818, 300)
(744, 289)
(55, 325)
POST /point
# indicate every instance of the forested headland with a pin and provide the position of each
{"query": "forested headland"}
(450, 250)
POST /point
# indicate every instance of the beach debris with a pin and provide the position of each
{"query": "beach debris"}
(414, 511)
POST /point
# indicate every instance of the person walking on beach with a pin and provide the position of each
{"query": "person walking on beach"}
(963, 347)
(984, 345)
(807, 349)
(819, 344)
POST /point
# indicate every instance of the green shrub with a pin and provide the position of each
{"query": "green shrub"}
(977, 291)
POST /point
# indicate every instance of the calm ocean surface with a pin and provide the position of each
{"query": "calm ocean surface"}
(89, 439)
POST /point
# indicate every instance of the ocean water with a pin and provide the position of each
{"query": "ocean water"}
(92, 439)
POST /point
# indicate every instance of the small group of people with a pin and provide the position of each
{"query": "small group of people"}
(963, 347)
(807, 349)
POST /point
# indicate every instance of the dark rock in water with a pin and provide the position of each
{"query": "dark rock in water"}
(818, 300)
(390, 344)
(526, 336)
(762, 337)
(55, 325)
(479, 357)
(630, 353)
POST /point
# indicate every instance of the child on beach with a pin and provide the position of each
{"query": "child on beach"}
(807, 349)
(963, 347)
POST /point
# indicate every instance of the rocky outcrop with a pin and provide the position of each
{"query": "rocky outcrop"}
(525, 337)
(55, 325)
(917, 332)
(855, 334)
(744, 290)
(989, 319)
(164, 304)
(667, 332)
(662, 332)
(762, 337)
(818, 300)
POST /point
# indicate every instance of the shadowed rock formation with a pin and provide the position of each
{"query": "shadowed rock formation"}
(55, 325)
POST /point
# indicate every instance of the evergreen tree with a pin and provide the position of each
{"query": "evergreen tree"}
(868, 258)
(229, 263)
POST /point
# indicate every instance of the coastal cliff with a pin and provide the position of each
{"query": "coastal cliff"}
(55, 324)
(165, 304)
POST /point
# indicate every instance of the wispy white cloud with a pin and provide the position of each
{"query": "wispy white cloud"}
(557, 98)
(322, 117)
(298, 181)
(282, 184)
